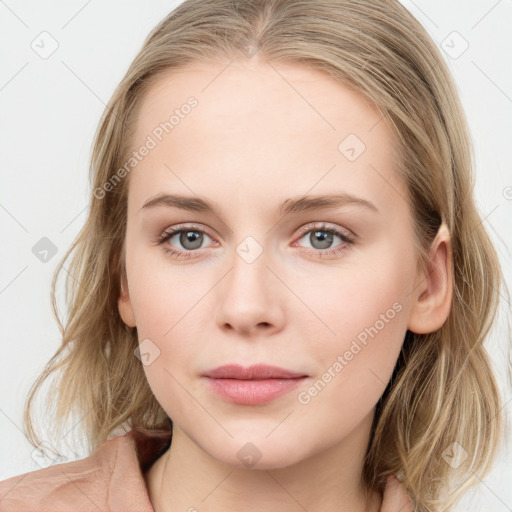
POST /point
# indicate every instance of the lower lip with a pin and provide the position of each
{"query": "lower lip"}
(253, 392)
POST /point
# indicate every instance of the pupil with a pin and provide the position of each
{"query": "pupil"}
(325, 239)
(191, 237)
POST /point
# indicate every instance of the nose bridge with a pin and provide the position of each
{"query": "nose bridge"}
(249, 266)
(247, 296)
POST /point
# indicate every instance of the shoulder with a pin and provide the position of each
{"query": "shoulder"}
(109, 479)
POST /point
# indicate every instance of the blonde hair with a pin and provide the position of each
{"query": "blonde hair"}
(443, 389)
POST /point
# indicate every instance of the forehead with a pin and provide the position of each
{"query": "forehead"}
(255, 124)
(262, 93)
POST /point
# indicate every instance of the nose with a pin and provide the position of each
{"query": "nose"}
(250, 298)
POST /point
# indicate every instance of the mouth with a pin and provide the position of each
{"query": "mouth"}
(254, 385)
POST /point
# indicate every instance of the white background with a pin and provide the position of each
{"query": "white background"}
(50, 110)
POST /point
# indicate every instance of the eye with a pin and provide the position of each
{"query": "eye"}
(322, 238)
(190, 238)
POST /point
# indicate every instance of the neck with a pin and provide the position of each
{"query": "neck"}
(188, 478)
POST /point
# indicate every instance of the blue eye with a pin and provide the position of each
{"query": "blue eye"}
(191, 238)
(323, 237)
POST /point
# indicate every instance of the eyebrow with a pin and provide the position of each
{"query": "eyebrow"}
(288, 206)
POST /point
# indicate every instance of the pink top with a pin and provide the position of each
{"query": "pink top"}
(111, 478)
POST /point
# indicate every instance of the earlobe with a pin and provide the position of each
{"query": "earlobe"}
(433, 289)
(125, 306)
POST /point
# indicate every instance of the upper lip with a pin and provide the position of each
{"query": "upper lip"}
(255, 372)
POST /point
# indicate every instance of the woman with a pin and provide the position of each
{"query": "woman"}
(283, 282)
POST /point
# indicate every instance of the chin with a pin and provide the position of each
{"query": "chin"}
(257, 453)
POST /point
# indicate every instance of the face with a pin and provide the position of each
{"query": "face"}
(272, 274)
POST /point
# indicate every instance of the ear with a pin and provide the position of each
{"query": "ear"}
(124, 304)
(433, 288)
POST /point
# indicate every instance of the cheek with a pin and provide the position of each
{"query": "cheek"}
(167, 311)
(162, 303)
(171, 315)
(354, 366)
(370, 292)
(364, 316)
(160, 292)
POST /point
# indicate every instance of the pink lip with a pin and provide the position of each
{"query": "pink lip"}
(255, 372)
(253, 385)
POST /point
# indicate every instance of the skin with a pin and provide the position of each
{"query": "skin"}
(261, 134)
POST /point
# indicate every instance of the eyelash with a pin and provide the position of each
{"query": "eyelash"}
(167, 235)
